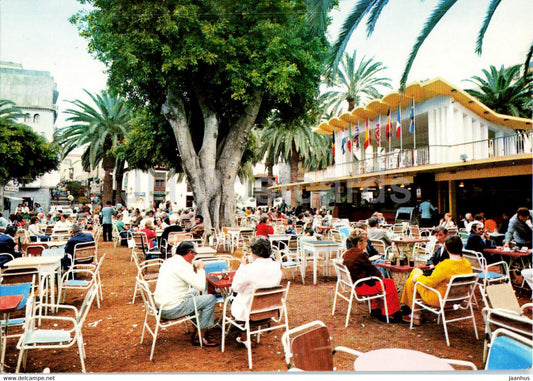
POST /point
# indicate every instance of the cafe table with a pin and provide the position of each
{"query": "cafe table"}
(8, 304)
(47, 265)
(404, 245)
(220, 283)
(518, 259)
(399, 359)
(205, 250)
(235, 233)
(275, 239)
(318, 248)
(401, 271)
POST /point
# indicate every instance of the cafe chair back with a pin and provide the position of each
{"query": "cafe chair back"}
(142, 247)
(502, 310)
(497, 272)
(509, 350)
(85, 253)
(34, 250)
(152, 317)
(55, 332)
(289, 259)
(215, 266)
(308, 347)
(82, 277)
(346, 289)
(267, 312)
(149, 272)
(457, 301)
(4, 258)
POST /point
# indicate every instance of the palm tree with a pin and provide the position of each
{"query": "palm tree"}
(9, 111)
(505, 90)
(354, 83)
(100, 127)
(317, 16)
(295, 144)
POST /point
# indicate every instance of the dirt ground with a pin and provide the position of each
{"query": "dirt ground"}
(112, 332)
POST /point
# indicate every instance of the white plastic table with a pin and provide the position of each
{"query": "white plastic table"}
(399, 359)
(317, 248)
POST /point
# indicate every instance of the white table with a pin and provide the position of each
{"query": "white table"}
(205, 250)
(49, 244)
(279, 238)
(399, 359)
(316, 248)
(48, 265)
(235, 234)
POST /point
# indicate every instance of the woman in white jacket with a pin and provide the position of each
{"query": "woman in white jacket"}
(262, 272)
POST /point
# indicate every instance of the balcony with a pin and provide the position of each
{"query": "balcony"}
(507, 146)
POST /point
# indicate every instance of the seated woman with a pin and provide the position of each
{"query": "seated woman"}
(262, 272)
(263, 228)
(150, 234)
(447, 221)
(439, 278)
(359, 264)
(35, 231)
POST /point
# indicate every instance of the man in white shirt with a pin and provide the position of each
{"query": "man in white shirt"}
(62, 224)
(263, 272)
(376, 233)
(172, 293)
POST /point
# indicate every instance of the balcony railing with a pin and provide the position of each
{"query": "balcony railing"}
(506, 146)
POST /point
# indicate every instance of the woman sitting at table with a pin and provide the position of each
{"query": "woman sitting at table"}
(150, 234)
(439, 278)
(35, 231)
(359, 265)
(262, 272)
(447, 221)
(263, 228)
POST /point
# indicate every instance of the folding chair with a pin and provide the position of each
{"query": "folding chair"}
(502, 310)
(148, 271)
(59, 331)
(345, 286)
(72, 280)
(509, 350)
(309, 348)
(458, 297)
(141, 243)
(152, 312)
(268, 309)
(289, 259)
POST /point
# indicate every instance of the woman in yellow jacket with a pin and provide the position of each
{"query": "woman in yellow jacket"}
(443, 272)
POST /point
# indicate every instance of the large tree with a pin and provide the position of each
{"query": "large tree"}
(504, 91)
(98, 128)
(25, 155)
(214, 68)
(318, 19)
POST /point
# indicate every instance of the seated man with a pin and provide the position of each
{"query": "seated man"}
(478, 240)
(77, 236)
(376, 233)
(439, 279)
(172, 292)
(62, 224)
(8, 244)
(440, 252)
(173, 227)
(263, 272)
(197, 229)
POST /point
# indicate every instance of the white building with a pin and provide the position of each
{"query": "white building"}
(35, 93)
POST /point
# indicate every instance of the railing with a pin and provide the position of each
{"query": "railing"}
(505, 146)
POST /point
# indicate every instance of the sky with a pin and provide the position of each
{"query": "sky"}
(37, 34)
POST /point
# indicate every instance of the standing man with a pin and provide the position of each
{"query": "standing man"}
(426, 209)
(107, 221)
(519, 229)
(173, 296)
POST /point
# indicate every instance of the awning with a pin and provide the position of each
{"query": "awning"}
(14, 198)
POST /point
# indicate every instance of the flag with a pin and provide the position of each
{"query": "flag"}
(368, 137)
(399, 124)
(342, 144)
(412, 117)
(356, 136)
(333, 145)
(349, 142)
(388, 125)
(378, 132)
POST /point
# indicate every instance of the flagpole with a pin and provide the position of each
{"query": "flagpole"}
(414, 125)
(389, 135)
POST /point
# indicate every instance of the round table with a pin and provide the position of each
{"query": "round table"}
(399, 359)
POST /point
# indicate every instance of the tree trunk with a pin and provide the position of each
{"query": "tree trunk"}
(270, 182)
(212, 171)
(108, 164)
(119, 176)
(1, 199)
(293, 162)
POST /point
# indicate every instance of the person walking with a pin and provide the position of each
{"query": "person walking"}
(107, 221)
(426, 209)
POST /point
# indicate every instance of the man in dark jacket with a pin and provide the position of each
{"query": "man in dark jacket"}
(77, 237)
(8, 244)
(478, 240)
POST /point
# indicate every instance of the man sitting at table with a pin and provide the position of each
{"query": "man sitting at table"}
(376, 233)
(173, 227)
(440, 253)
(479, 240)
(263, 272)
(439, 279)
(77, 236)
(8, 244)
(359, 265)
(197, 229)
(173, 295)
(62, 224)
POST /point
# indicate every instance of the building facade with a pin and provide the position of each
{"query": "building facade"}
(35, 93)
(445, 146)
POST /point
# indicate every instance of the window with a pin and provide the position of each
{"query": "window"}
(27, 117)
(36, 118)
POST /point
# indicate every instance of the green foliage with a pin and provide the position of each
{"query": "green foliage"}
(75, 188)
(25, 154)
(221, 50)
(9, 111)
(504, 91)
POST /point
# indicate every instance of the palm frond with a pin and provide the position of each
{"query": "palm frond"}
(481, 35)
(438, 13)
